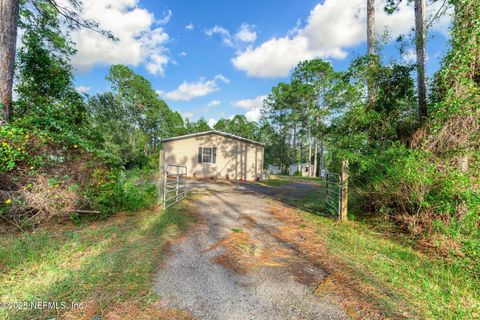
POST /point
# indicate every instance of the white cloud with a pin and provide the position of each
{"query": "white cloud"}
(213, 103)
(332, 27)
(190, 26)
(141, 37)
(250, 103)
(183, 54)
(221, 78)
(82, 89)
(212, 122)
(189, 90)
(254, 107)
(224, 33)
(166, 17)
(253, 115)
(246, 33)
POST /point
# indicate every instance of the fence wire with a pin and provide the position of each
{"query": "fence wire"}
(333, 187)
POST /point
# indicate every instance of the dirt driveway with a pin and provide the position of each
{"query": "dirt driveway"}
(234, 266)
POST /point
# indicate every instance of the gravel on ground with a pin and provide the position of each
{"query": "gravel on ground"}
(192, 279)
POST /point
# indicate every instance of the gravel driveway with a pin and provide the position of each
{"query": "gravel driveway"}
(203, 278)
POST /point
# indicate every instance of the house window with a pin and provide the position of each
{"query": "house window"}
(207, 155)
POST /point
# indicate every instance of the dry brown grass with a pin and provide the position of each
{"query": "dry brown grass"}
(38, 202)
(295, 246)
(357, 298)
(243, 253)
(128, 310)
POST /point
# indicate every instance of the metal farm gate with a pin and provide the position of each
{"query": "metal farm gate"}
(333, 187)
(174, 184)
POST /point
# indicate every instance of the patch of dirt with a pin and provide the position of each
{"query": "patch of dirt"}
(242, 253)
(359, 299)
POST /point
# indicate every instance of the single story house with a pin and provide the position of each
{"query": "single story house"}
(302, 168)
(216, 154)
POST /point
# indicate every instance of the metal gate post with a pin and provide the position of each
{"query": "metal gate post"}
(185, 187)
(165, 175)
(176, 188)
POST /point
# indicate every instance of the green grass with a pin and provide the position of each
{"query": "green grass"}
(402, 277)
(313, 202)
(431, 287)
(274, 182)
(107, 262)
(280, 180)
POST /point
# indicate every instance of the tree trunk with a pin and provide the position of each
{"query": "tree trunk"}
(322, 158)
(315, 157)
(317, 120)
(294, 155)
(301, 149)
(8, 40)
(371, 26)
(309, 148)
(371, 49)
(420, 36)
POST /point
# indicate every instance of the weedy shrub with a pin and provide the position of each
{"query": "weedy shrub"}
(118, 193)
(43, 177)
(430, 198)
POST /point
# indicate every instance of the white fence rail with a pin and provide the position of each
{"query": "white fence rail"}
(175, 184)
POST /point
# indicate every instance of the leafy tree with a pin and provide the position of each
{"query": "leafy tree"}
(47, 97)
(278, 109)
(132, 118)
(318, 91)
(27, 11)
(201, 125)
(238, 125)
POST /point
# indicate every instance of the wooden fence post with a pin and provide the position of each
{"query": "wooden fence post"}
(344, 180)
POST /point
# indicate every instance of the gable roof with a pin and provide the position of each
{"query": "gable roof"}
(198, 134)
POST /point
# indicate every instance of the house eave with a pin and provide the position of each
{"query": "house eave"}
(198, 134)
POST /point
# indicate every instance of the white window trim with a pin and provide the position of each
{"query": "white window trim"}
(211, 155)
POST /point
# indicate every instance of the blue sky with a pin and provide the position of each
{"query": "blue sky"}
(219, 58)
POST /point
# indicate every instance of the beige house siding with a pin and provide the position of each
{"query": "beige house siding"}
(239, 160)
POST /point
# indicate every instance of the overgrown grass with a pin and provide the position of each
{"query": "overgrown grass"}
(435, 287)
(99, 264)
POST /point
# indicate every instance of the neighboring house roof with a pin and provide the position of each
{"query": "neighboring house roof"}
(198, 134)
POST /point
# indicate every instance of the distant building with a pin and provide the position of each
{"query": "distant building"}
(274, 169)
(302, 168)
(216, 154)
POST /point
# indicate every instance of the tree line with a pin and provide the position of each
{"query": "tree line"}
(413, 149)
(127, 122)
